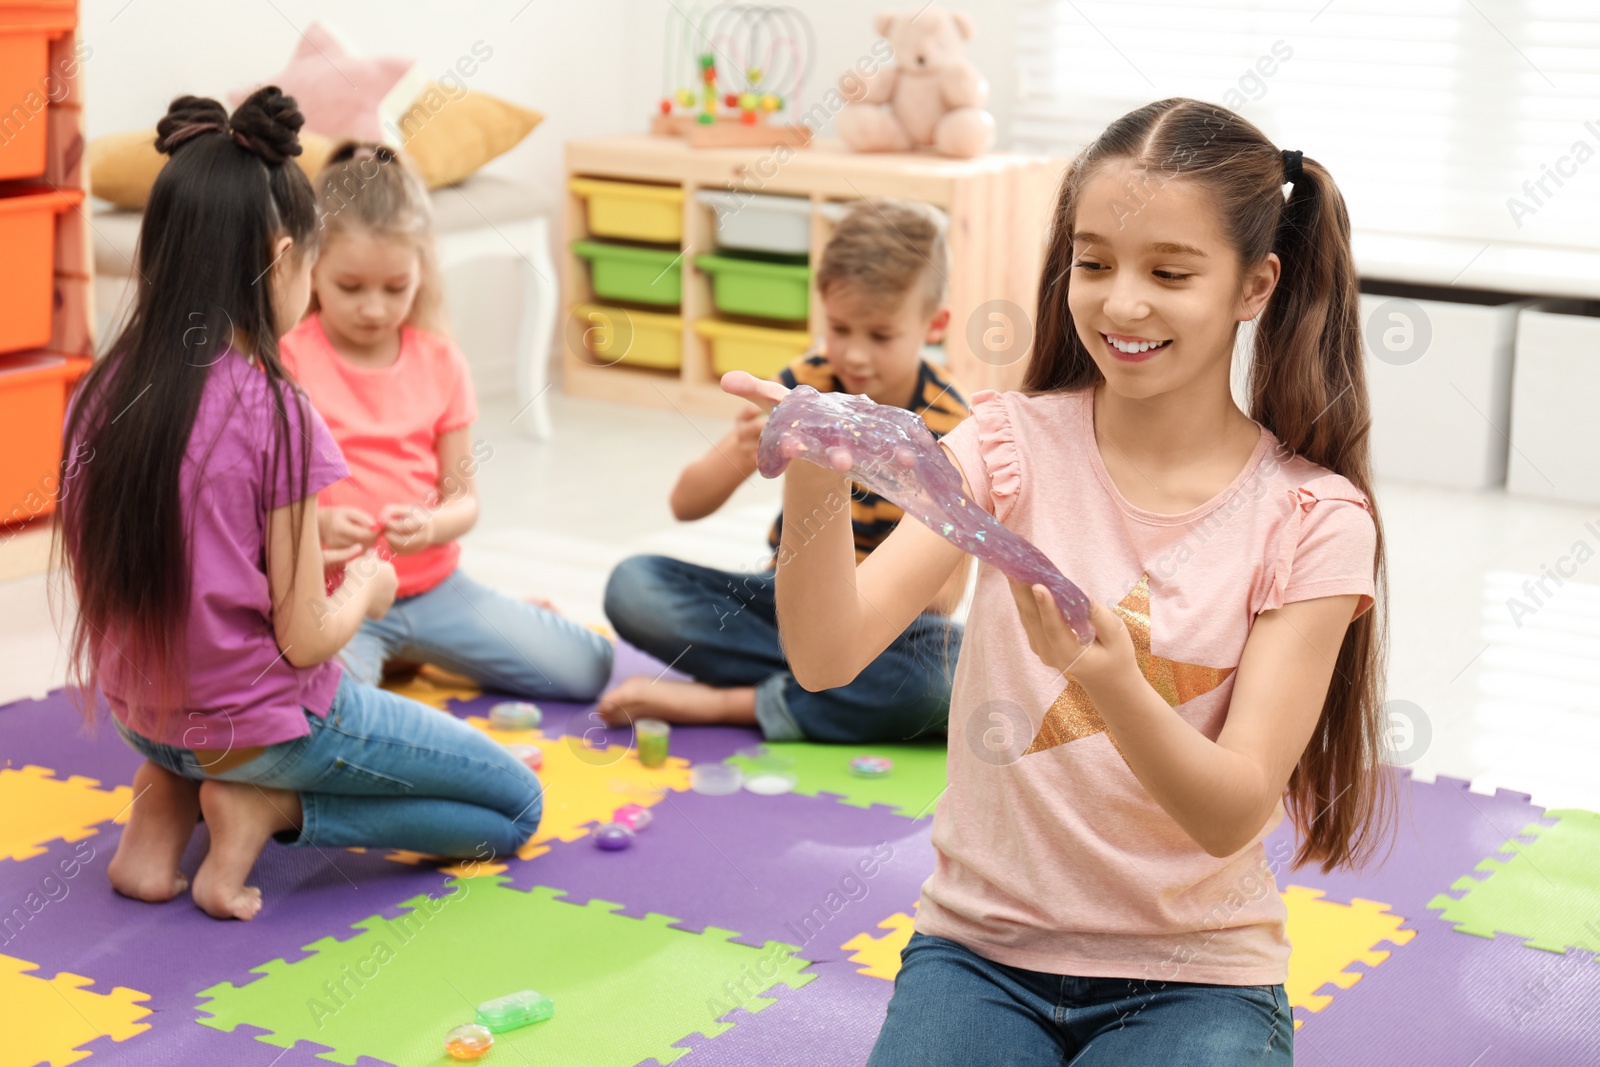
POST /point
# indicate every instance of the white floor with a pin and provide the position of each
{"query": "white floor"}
(1502, 704)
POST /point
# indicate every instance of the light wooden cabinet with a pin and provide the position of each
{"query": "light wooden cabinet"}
(999, 209)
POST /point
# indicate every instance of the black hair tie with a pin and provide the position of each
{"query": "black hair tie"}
(193, 129)
(1292, 171)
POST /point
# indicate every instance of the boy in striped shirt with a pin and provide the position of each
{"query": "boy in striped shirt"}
(882, 279)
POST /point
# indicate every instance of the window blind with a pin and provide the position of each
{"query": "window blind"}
(1474, 119)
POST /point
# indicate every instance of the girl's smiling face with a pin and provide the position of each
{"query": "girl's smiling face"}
(1156, 293)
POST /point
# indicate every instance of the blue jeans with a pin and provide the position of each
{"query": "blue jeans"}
(501, 643)
(721, 628)
(952, 1006)
(382, 771)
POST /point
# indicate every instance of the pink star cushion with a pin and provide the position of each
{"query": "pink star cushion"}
(341, 94)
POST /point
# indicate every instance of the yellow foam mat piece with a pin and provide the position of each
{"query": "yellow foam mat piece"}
(40, 808)
(584, 784)
(1328, 937)
(464, 869)
(881, 955)
(45, 1020)
(435, 687)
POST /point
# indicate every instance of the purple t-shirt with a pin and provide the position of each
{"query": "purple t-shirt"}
(242, 691)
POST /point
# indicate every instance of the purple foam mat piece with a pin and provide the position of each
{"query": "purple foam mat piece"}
(783, 868)
(51, 733)
(173, 950)
(829, 1022)
(1449, 999)
(1444, 831)
(174, 1038)
(698, 744)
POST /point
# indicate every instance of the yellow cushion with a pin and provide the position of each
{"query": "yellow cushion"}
(123, 166)
(450, 133)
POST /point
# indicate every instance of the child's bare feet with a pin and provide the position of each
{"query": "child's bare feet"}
(165, 809)
(672, 701)
(241, 818)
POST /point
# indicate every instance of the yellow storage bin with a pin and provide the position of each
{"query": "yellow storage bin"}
(760, 350)
(631, 210)
(638, 338)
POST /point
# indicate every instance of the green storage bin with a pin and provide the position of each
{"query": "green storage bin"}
(625, 272)
(770, 288)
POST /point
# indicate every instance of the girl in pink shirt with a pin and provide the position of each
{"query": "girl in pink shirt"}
(398, 397)
(1100, 893)
(189, 522)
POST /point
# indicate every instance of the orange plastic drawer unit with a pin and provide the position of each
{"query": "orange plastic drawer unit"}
(26, 82)
(27, 267)
(33, 405)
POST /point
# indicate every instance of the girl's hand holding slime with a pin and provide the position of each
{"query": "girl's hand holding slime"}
(1109, 656)
(408, 527)
(891, 451)
(341, 527)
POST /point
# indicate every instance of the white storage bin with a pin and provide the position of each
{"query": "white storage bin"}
(757, 222)
(1555, 428)
(1438, 365)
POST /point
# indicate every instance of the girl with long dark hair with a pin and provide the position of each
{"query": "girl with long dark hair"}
(189, 528)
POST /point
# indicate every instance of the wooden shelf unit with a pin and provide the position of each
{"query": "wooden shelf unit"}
(999, 207)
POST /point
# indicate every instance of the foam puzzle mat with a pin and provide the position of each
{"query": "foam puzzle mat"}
(736, 930)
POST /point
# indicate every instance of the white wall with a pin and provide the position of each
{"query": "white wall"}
(591, 66)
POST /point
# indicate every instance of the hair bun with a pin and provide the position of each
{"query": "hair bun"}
(184, 113)
(268, 124)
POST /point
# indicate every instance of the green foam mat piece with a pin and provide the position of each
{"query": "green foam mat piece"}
(624, 989)
(910, 789)
(1546, 891)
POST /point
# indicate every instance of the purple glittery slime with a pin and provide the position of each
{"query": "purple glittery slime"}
(890, 451)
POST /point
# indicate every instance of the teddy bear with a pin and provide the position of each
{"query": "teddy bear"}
(930, 95)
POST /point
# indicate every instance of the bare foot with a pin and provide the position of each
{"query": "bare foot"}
(672, 701)
(165, 809)
(241, 818)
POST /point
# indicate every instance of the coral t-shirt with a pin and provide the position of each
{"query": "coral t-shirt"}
(388, 421)
(1049, 853)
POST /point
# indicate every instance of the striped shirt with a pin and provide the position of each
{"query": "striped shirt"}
(938, 399)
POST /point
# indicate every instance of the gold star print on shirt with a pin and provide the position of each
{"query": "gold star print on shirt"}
(1073, 715)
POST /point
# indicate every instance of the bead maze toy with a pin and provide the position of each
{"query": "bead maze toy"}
(746, 65)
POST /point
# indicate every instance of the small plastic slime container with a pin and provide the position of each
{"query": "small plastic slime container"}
(634, 816)
(531, 755)
(613, 837)
(715, 779)
(769, 773)
(871, 766)
(468, 1041)
(652, 736)
(515, 715)
(514, 1010)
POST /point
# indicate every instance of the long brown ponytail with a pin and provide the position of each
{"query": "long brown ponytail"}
(1307, 385)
